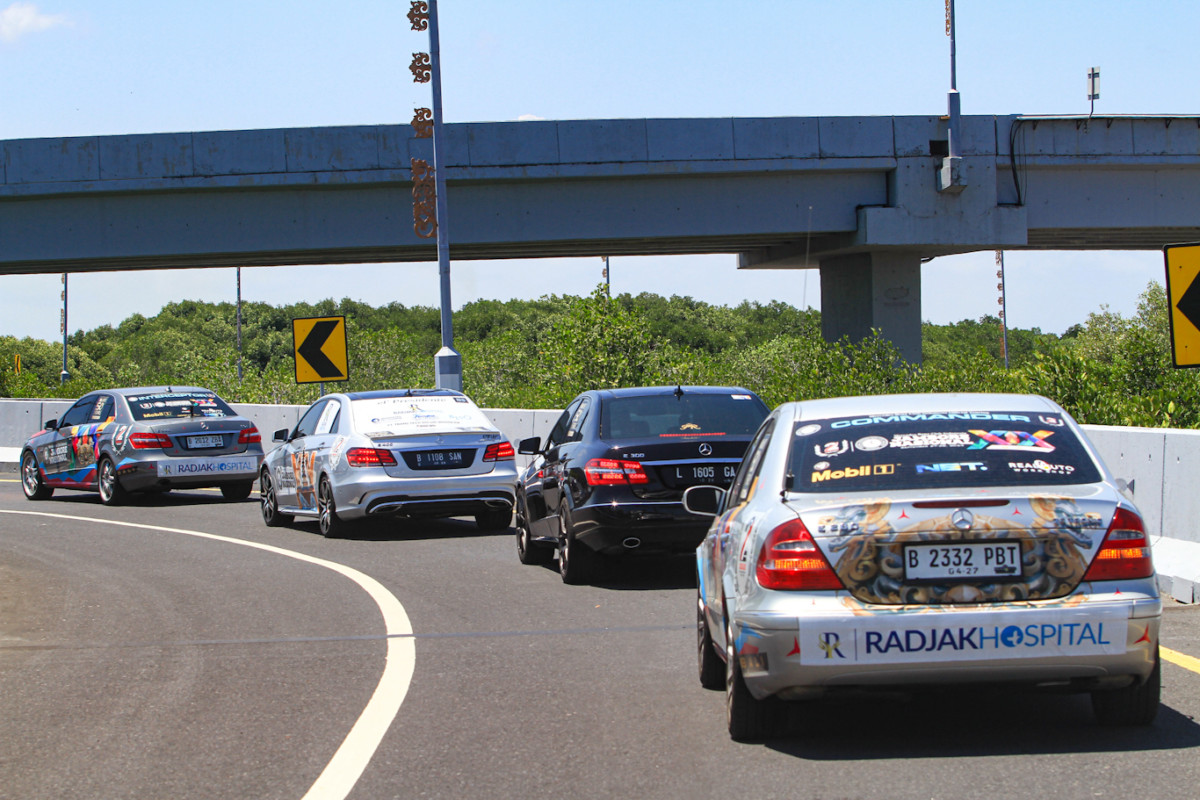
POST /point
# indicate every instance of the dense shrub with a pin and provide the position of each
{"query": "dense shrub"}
(1109, 370)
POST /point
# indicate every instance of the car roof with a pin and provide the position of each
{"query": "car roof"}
(157, 390)
(383, 393)
(645, 391)
(932, 402)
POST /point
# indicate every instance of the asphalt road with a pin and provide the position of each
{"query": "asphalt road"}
(148, 663)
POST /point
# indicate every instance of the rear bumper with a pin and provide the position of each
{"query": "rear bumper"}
(1073, 644)
(457, 496)
(188, 473)
(661, 527)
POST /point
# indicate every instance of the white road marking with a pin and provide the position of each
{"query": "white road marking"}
(360, 744)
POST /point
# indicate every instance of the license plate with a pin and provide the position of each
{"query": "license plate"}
(438, 459)
(704, 473)
(201, 442)
(956, 560)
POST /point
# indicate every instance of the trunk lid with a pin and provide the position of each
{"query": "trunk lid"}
(963, 549)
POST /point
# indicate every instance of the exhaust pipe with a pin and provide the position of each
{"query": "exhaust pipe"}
(631, 543)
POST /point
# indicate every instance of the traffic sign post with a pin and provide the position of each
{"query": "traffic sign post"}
(319, 346)
(1183, 296)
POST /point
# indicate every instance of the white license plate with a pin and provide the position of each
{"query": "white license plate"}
(200, 442)
(956, 560)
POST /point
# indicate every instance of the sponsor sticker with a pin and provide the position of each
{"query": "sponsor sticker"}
(978, 637)
(864, 471)
(197, 467)
(1013, 440)
(905, 441)
(953, 466)
(808, 430)
(869, 444)
(1039, 465)
(895, 418)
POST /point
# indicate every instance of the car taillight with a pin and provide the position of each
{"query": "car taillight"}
(500, 451)
(790, 559)
(1125, 552)
(149, 441)
(613, 472)
(370, 457)
(250, 436)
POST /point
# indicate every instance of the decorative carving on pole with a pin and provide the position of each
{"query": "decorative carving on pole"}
(421, 68)
(424, 194)
(418, 15)
(422, 123)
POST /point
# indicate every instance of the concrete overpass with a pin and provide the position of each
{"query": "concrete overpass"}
(859, 198)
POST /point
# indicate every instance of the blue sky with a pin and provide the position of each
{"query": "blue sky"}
(85, 67)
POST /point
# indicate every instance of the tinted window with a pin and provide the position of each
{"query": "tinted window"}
(669, 416)
(102, 410)
(915, 451)
(307, 425)
(558, 434)
(575, 426)
(740, 491)
(177, 405)
(78, 414)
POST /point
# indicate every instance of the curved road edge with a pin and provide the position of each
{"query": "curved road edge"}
(355, 752)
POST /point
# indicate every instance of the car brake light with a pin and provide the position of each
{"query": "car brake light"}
(250, 436)
(1125, 552)
(500, 451)
(370, 457)
(790, 559)
(613, 472)
(149, 441)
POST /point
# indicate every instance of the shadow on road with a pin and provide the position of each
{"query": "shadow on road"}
(967, 723)
(642, 573)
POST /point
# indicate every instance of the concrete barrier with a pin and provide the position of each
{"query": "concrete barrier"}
(1157, 464)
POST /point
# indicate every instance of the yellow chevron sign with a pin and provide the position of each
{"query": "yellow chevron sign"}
(319, 345)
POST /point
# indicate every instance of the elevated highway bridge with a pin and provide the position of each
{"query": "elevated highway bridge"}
(866, 200)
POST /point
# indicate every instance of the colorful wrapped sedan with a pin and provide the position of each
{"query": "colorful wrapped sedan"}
(924, 540)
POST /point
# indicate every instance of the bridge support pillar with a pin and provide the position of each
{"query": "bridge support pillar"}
(880, 289)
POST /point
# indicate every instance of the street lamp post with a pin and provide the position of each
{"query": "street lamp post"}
(64, 376)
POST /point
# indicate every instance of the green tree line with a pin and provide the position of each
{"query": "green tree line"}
(1108, 370)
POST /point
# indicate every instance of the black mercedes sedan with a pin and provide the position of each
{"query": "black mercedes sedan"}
(609, 478)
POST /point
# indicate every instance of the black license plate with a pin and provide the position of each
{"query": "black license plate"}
(701, 474)
(439, 459)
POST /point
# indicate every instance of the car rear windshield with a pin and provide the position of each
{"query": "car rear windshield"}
(937, 450)
(669, 416)
(418, 414)
(177, 405)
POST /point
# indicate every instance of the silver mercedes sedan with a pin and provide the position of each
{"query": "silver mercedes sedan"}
(417, 453)
(923, 540)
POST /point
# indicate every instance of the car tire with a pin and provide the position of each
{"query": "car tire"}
(237, 491)
(1136, 704)
(109, 483)
(31, 478)
(493, 519)
(748, 719)
(327, 519)
(269, 500)
(528, 551)
(712, 669)
(575, 561)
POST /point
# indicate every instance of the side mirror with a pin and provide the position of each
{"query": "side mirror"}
(280, 435)
(530, 447)
(704, 501)
(51, 425)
